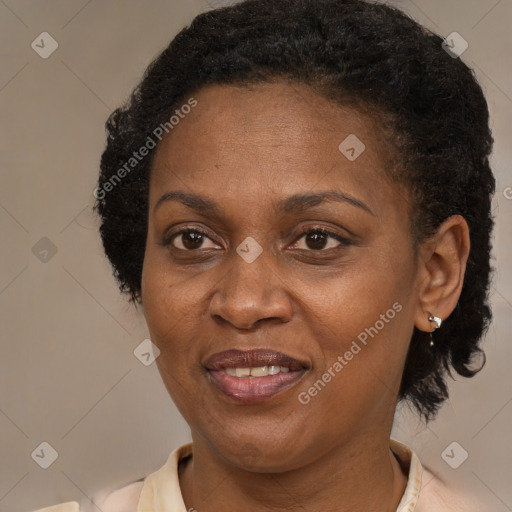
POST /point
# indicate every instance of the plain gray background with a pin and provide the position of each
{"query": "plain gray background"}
(68, 374)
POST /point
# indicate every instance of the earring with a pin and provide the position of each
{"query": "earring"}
(438, 322)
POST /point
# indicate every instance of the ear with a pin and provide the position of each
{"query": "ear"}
(442, 265)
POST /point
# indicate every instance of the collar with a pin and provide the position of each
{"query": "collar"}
(161, 490)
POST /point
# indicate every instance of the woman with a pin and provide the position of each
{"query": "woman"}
(298, 194)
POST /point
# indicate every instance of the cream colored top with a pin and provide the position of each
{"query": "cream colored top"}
(160, 491)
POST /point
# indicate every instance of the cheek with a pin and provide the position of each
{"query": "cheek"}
(359, 299)
(364, 323)
(356, 379)
(170, 310)
(166, 301)
(166, 308)
(175, 305)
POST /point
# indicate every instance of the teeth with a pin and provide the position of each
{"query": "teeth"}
(260, 371)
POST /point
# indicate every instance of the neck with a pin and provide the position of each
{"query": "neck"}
(364, 475)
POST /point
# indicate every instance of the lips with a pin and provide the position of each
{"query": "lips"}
(254, 375)
(252, 359)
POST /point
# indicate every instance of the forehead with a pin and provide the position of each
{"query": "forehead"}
(272, 137)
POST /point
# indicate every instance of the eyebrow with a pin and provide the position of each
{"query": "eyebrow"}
(293, 204)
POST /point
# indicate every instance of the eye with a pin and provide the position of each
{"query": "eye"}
(317, 239)
(189, 240)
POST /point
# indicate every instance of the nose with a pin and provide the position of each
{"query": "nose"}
(248, 293)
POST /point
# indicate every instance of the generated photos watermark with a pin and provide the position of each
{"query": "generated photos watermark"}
(137, 156)
(343, 360)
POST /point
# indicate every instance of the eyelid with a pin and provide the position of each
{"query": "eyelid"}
(168, 238)
(325, 231)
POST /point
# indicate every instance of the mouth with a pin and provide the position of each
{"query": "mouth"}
(254, 375)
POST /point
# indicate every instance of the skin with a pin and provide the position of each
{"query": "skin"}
(248, 149)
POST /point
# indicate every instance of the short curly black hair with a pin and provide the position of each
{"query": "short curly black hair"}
(426, 100)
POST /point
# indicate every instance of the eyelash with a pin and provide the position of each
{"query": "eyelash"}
(323, 231)
(305, 231)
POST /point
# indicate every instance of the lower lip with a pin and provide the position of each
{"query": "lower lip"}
(253, 389)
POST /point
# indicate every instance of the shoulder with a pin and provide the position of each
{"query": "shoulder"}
(127, 498)
(426, 492)
(124, 499)
(437, 496)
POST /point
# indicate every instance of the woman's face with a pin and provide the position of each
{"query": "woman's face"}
(297, 262)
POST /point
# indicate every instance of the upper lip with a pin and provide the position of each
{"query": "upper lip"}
(252, 359)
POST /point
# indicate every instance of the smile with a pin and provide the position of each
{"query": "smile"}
(260, 371)
(253, 376)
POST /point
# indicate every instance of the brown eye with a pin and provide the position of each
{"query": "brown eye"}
(320, 239)
(192, 240)
(189, 240)
(316, 240)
